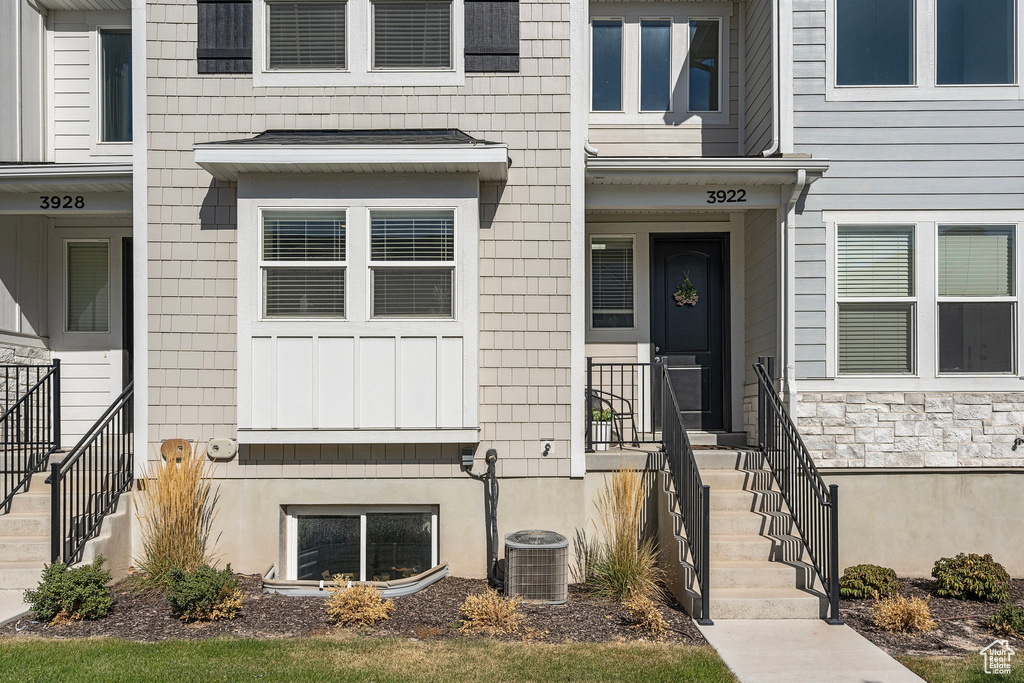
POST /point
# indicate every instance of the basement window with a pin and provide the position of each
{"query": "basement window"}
(377, 544)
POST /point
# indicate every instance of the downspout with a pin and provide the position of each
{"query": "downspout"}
(588, 148)
(773, 148)
(741, 119)
(787, 346)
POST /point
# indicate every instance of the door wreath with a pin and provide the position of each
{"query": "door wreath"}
(686, 293)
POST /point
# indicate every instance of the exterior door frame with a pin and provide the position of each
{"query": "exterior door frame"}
(725, 239)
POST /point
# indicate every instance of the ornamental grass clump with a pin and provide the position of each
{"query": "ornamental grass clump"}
(65, 595)
(971, 577)
(204, 594)
(357, 605)
(903, 615)
(620, 565)
(868, 581)
(177, 507)
(492, 612)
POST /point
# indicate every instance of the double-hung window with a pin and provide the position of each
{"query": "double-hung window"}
(302, 264)
(977, 303)
(875, 276)
(411, 34)
(611, 282)
(412, 264)
(310, 34)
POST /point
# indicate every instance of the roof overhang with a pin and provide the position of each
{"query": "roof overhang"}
(65, 178)
(226, 161)
(702, 171)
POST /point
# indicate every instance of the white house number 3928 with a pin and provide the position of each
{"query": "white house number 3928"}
(726, 196)
(58, 202)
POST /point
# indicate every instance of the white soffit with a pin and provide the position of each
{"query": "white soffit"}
(700, 171)
(226, 162)
(86, 4)
(65, 177)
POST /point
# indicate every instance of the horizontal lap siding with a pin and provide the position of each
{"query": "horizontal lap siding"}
(758, 76)
(887, 156)
(524, 283)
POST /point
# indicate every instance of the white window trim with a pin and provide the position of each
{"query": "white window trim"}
(678, 113)
(293, 512)
(590, 282)
(925, 66)
(67, 281)
(264, 265)
(97, 146)
(435, 265)
(358, 59)
(927, 377)
(912, 300)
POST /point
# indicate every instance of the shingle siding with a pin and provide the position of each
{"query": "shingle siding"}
(524, 245)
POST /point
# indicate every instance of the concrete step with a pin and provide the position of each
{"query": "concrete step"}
(750, 574)
(765, 603)
(737, 480)
(31, 503)
(20, 575)
(726, 459)
(25, 548)
(734, 501)
(736, 522)
(701, 438)
(728, 547)
(25, 524)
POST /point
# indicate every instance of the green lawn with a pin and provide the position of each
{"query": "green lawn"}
(957, 670)
(353, 659)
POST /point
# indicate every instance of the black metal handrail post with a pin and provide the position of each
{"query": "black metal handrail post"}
(812, 504)
(590, 405)
(87, 484)
(693, 495)
(56, 404)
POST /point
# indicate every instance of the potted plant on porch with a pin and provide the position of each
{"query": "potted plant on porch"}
(600, 429)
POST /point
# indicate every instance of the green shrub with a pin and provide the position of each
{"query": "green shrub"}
(974, 577)
(1008, 621)
(69, 594)
(204, 594)
(868, 581)
(600, 415)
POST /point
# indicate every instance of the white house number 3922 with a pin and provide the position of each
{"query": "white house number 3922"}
(58, 202)
(726, 196)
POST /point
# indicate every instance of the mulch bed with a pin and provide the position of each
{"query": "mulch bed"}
(433, 613)
(962, 624)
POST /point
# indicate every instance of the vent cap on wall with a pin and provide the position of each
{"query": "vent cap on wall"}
(221, 449)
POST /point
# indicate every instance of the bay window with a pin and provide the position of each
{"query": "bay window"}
(412, 262)
(875, 277)
(976, 304)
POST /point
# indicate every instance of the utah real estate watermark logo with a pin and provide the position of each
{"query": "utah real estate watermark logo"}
(997, 657)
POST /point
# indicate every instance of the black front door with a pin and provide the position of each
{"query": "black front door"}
(691, 333)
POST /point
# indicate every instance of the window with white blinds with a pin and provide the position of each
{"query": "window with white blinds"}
(88, 286)
(611, 282)
(977, 302)
(412, 264)
(412, 35)
(875, 295)
(303, 264)
(306, 35)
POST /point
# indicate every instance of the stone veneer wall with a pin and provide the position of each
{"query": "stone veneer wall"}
(912, 429)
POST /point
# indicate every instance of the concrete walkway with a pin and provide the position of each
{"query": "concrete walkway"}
(798, 650)
(11, 604)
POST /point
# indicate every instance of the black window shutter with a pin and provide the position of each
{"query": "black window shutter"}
(225, 37)
(492, 35)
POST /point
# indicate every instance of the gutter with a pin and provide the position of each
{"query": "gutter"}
(53, 171)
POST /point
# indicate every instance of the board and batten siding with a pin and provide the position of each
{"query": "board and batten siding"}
(523, 324)
(887, 156)
(74, 83)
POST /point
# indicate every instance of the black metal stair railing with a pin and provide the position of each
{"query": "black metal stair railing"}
(86, 485)
(812, 503)
(692, 493)
(29, 425)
